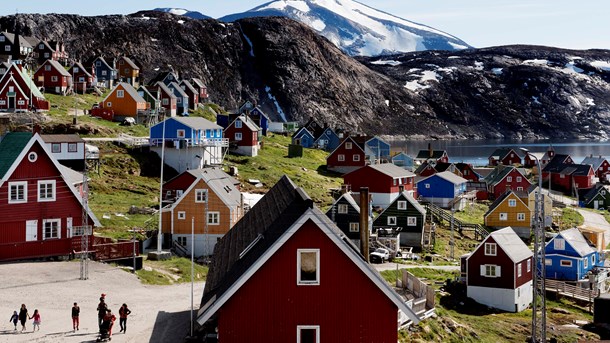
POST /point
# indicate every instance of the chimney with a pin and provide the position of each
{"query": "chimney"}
(344, 188)
(36, 129)
(325, 125)
(401, 188)
(430, 150)
(364, 223)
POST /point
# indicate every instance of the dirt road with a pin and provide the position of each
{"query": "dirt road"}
(159, 313)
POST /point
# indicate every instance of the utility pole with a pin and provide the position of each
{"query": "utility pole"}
(84, 256)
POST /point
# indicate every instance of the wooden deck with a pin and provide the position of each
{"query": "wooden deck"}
(574, 292)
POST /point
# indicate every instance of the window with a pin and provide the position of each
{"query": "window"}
(392, 221)
(402, 205)
(520, 216)
(47, 67)
(46, 190)
(180, 133)
(529, 265)
(178, 100)
(51, 228)
(512, 203)
(503, 216)
(354, 227)
(2, 102)
(75, 70)
(53, 78)
(72, 147)
(7, 48)
(559, 244)
(411, 221)
(509, 179)
(308, 266)
(1, 38)
(308, 334)
(56, 148)
(120, 93)
(238, 136)
(341, 157)
(519, 179)
(238, 124)
(356, 157)
(20, 102)
(109, 104)
(213, 218)
(126, 70)
(490, 249)
(181, 241)
(348, 145)
(585, 262)
(427, 185)
(32, 157)
(562, 176)
(519, 272)
(41, 46)
(181, 215)
(565, 263)
(104, 72)
(548, 262)
(201, 195)
(179, 193)
(11, 89)
(592, 259)
(18, 192)
(490, 270)
(165, 101)
(519, 189)
(342, 208)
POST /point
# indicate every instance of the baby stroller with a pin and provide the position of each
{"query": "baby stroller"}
(105, 330)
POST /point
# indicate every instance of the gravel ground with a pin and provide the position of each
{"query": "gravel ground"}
(159, 313)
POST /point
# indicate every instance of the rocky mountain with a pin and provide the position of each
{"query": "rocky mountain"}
(357, 29)
(294, 74)
(182, 11)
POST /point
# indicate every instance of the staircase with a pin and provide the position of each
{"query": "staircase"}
(179, 250)
(440, 215)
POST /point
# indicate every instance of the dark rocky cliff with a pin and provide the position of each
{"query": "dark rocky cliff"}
(292, 72)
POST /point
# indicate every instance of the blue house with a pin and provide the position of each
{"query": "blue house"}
(569, 256)
(376, 149)
(182, 99)
(260, 118)
(442, 189)
(328, 140)
(303, 137)
(105, 73)
(190, 143)
(403, 160)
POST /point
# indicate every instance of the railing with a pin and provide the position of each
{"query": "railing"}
(115, 250)
(216, 142)
(440, 214)
(571, 291)
(132, 141)
(179, 249)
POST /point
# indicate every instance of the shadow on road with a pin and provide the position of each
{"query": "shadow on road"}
(171, 327)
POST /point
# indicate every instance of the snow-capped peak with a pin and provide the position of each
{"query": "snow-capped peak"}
(182, 12)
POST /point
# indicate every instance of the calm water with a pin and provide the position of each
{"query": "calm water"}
(477, 151)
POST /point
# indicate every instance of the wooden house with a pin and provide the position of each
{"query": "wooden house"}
(18, 93)
(510, 210)
(403, 160)
(563, 175)
(328, 140)
(377, 150)
(314, 127)
(182, 99)
(504, 156)
(190, 142)
(53, 77)
(504, 178)
(443, 189)
(124, 101)
(499, 272)
(260, 118)
(154, 104)
(207, 198)
(167, 98)
(17, 46)
(51, 50)
(193, 94)
(529, 197)
(303, 138)
(347, 157)
(405, 216)
(243, 135)
(201, 88)
(431, 156)
(431, 168)
(105, 73)
(166, 77)
(128, 71)
(600, 166)
(596, 197)
(569, 257)
(345, 213)
(597, 237)
(385, 182)
(68, 149)
(467, 172)
(39, 208)
(83, 79)
(305, 255)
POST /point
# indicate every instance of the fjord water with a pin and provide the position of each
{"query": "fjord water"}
(477, 151)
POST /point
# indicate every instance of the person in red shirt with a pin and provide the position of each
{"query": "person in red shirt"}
(123, 313)
(110, 319)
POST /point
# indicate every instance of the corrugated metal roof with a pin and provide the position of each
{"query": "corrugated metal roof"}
(511, 244)
(73, 138)
(198, 123)
(10, 147)
(575, 238)
(449, 176)
(58, 67)
(221, 183)
(133, 93)
(392, 170)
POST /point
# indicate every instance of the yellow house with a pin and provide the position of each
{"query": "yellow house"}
(530, 198)
(510, 210)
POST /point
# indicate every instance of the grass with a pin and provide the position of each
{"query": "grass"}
(174, 270)
(570, 218)
(429, 274)
(473, 213)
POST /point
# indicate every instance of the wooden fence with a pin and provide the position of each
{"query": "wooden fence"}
(570, 291)
(423, 294)
(440, 214)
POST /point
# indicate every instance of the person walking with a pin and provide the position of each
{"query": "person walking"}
(75, 317)
(101, 311)
(124, 311)
(109, 318)
(23, 316)
(14, 319)
(36, 317)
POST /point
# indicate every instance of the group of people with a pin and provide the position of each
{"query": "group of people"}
(23, 316)
(105, 317)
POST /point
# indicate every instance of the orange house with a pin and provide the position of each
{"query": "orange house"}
(124, 101)
(510, 210)
(128, 71)
(206, 201)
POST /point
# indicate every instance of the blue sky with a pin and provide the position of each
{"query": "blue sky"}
(481, 23)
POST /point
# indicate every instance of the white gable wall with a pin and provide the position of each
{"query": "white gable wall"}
(510, 300)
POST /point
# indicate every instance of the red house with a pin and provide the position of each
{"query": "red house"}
(83, 78)
(284, 238)
(243, 136)
(347, 157)
(39, 207)
(384, 181)
(568, 177)
(600, 165)
(504, 178)
(468, 172)
(167, 98)
(192, 92)
(19, 93)
(505, 156)
(53, 77)
(201, 88)
(499, 272)
(431, 168)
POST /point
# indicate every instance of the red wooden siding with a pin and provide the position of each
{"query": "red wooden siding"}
(346, 305)
(514, 185)
(248, 137)
(333, 159)
(376, 181)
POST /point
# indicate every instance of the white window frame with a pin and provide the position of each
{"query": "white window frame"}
(519, 189)
(47, 67)
(521, 216)
(238, 124)
(181, 215)
(512, 202)
(411, 221)
(45, 183)
(120, 93)
(519, 271)
(32, 156)
(356, 158)
(491, 249)
(201, 195)
(585, 262)
(342, 208)
(181, 133)
(593, 259)
(509, 179)
(238, 136)
(348, 145)
(44, 230)
(491, 270)
(402, 204)
(341, 158)
(559, 244)
(308, 327)
(354, 227)
(56, 148)
(565, 263)
(53, 78)
(213, 218)
(20, 102)
(519, 179)
(18, 200)
(392, 221)
(503, 216)
(315, 282)
(529, 265)
(548, 262)
(109, 104)
(165, 101)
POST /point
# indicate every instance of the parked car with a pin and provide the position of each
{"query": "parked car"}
(380, 255)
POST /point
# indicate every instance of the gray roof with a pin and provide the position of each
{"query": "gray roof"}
(165, 89)
(81, 68)
(189, 86)
(198, 82)
(130, 62)
(198, 123)
(178, 89)
(449, 176)
(221, 183)
(511, 244)
(72, 138)
(595, 162)
(248, 122)
(131, 91)
(350, 199)
(575, 238)
(71, 176)
(57, 66)
(414, 202)
(390, 169)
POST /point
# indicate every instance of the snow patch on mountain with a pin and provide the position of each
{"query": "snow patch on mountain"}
(182, 12)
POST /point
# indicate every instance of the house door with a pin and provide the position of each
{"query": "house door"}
(69, 226)
(596, 204)
(11, 102)
(31, 230)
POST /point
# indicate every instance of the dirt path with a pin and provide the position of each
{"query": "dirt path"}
(159, 313)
